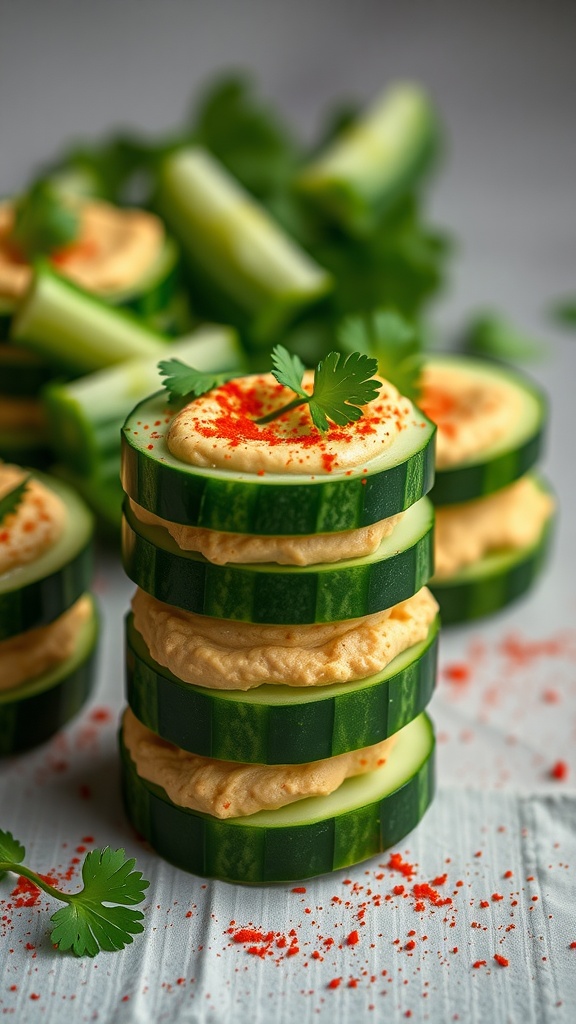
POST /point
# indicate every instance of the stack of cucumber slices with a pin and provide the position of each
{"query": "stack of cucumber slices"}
(270, 723)
(497, 481)
(48, 619)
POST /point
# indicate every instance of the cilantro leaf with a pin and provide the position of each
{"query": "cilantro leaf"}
(564, 312)
(492, 335)
(87, 925)
(392, 339)
(288, 370)
(44, 221)
(183, 380)
(10, 502)
(11, 851)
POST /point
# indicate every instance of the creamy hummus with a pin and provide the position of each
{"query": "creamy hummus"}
(227, 655)
(218, 430)
(30, 654)
(35, 525)
(312, 549)
(228, 789)
(114, 251)
(471, 411)
(512, 517)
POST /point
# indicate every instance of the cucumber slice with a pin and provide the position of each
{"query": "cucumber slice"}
(31, 713)
(156, 289)
(376, 160)
(77, 331)
(275, 594)
(276, 724)
(493, 582)
(363, 817)
(86, 415)
(230, 239)
(37, 593)
(510, 457)
(274, 503)
(22, 373)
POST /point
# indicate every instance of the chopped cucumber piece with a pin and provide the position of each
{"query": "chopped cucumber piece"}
(363, 817)
(274, 503)
(294, 595)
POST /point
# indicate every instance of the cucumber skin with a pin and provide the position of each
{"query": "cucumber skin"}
(463, 601)
(28, 721)
(466, 483)
(40, 602)
(247, 854)
(191, 718)
(263, 595)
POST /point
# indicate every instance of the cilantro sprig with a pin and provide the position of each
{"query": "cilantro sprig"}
(10, 502)
(182, 381)
(44, 221)
(392, 339)
(88, 923)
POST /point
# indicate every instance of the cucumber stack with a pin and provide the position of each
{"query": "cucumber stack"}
(46, 611)
(176, 708)
(499, 482)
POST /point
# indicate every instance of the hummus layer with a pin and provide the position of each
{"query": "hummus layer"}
(218, 430)
(30, 654)
(510, 518)
(222, 548)
(228, 789)
(226, 655)
(114, 250)
(36, 524)
(471, 412)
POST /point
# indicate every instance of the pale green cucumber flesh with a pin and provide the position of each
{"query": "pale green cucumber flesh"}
(269, 593)
(280, 724)
(274, 503)
(32, 712)
(365, 816)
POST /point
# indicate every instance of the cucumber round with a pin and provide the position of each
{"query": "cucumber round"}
(37, 593)
(158, 297)
(279, 724)
(508, 458)
(280, 594)
(363, 817)
(31, 713)
(491, 583)
(274, 503)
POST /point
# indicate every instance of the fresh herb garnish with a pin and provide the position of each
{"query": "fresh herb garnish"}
(564, 312)
(341, 385)
(492, 335)
(44, 221)
(183, 381)
(10, 502)
(87, 925)
(392, 340)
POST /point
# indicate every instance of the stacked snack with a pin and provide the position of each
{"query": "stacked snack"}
(48, 622)
(281, 647)
(493, 515)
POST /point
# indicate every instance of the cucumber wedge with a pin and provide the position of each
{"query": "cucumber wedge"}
(37, 593)
(274, 503)
(267, 593)
(493, 582)
(507, 459)
(31, 713)
(366, 815)
(156, 289)
(276, 724)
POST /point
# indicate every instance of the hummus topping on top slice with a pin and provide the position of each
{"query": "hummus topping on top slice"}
(228, 655)
(229, 789)
(36, 524)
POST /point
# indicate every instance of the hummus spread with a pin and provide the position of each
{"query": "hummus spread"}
(471, 412)
(34, 526)
(229, 789)
(312, 549)
(30, 654)
(227, 655)
(512, 517)
(218, 430)
(115, 249)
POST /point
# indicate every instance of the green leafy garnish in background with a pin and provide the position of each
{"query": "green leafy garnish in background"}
(392, 340)
(492, 335)
(44, 221)
(564, 312)
(341, 385)
(184, 381)
(10, 502)
(88, 924)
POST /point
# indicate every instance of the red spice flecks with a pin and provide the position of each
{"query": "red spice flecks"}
(299, 888)
(478, 963)
(410, 945)
(26, 894)
(484, 903)
(335, 983)
(243, 935)
(398, 890)
(101, 715)
(353, 939)
(439, 880)
(457, 673)
(573, 945)
(559, 771)
(496, 897)
(396, 863)
(521, 652)
(501, 960)
(424, 891)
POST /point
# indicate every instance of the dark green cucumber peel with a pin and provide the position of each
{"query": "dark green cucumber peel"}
(272, 504)
(492, 583)
(36, 594)
(293, 595)
(279, 724)
(156, 289)
(31, 713)
(364, 817)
